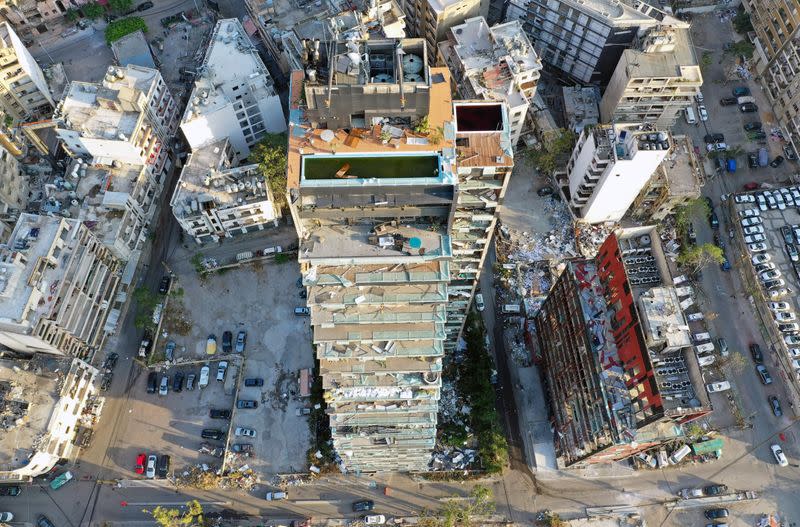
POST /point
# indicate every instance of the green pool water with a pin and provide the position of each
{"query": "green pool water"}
(372, 167)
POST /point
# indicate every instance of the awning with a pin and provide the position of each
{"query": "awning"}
(706, 447)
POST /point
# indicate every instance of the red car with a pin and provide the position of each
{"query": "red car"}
(750, 186)
(141, 459)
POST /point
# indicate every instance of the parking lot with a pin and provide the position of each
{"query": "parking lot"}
(257, 299)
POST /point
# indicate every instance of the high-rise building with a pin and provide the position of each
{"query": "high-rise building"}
(23, 90)
(393, 189)
(654, 80)
(431, 19)
(35, 19)
(583, 40)
(129, 117)
(607, 170)
(57, 285)
(495, 64)
(215, 200)
(233, 97)
(619, 366)
(13, 193)
(777, 59)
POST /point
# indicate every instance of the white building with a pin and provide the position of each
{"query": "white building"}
(214, 200)
(13, 193)
(129, 117)
(608, 169)
(23, 89)
(55, 409)
(57, 284)
(494, 63)
(233, 96)
(430, 19)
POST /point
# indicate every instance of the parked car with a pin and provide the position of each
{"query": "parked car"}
(792, 340)
(222, 368)
(723, 346)
(760, 268)
(105, 381)
(749, 213)
(780, 457)
(141, 460)
(714, 490)
(791, 250)
(715, 514)
(246, 432)
(169, 351)
(273, 496)
(715, 387)
(254, 381)
(374, 519)
(479, 304)
(779, 306)
(205, 372)
(227, 342)
(152, 382)
(760, 258)
(753, 126)
(219, 414)
(775, 405)
(763, 374)
(163, 466)
(163, 287)
(777, 293)
(740, 91)
(757, 247)
(775, 163)
(302, 311)
(190, 381)
(789, 327)
(10, 490)
(110, 362)
(545, 191)
(728, 101)
(770, 275)
(44, 521)
(753, 229)
(749, 222)
(6, 517)
(211, 344)
(748, 107)
(701, 110)
(241, 340)
(772, 284)
(363, 505)
(241, 447)
(246, 404)
(144, 6)
(754, 238)
(150, 472)
(755, 352)
(177, 382)
(163, 388)
(212, 433)
(744, 198)
(784, 316)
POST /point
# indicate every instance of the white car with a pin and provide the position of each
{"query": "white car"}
(792, 340)
(748, 222)
(150, 473)
(246, 432)
(703, 112)
(789, 327)
(374, 519)
(699, 97)
(479, 302)
(749, 213)
(760, 258)
(757, 247)
(6, 517)
(205, 372)
(744, 198)
(770, 275)
(706, 360)
(780, 457)
(777, 293)
(768, 266)
(715, 387)
(754, 238)
(784, 316)
(779, 306)
(272, 496)
(222, 367)
(753, 229)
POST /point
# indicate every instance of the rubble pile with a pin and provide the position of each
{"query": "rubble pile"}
(446, 458)
(590, 237)
(12, 410)
(555, 244)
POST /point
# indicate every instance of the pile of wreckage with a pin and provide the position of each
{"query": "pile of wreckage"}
(449, 458)
(12, 409)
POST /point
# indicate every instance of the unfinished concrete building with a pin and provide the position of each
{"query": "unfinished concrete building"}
(393, 188)
(619, 366)
(57, 283)
(23, 90)
(13, 193)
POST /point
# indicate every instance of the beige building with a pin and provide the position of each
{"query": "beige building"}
(494, 64)
(13, 193)
(777, 59)
(24, 94)
(654, 80)
(129, 117)
(36, 19)
(214, 199)
(675, 182)
(57, 285)
(431, 19)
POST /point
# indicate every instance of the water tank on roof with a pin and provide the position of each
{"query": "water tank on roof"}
(382, 78)
(412, 63)
(644, 240)
(412, 77)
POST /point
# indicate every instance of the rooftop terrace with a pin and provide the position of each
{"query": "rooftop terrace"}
(371, 166)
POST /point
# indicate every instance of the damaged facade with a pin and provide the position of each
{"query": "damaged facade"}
(619, 366)
(23, 89)
(394, 218)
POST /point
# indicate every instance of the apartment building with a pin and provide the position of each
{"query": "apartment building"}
(582, 41)
(494, 64)
(36, 19)
(24, 93)
(654, 80)
(581, 107)
(233, 95)
(129, 117)
(676, 182)
(13, 193)
(215, 200)
(394, 221)
(777, 59)
(608, 168)
(619, 367)
(57, 283)
(431, 19)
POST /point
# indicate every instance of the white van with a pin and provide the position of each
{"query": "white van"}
(694, 317)
(688, 114)
(707, 347)
(679, 454)
(701, 337)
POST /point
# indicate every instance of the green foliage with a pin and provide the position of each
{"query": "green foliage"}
(706, 60)
(8, 121)
(146, 302)
(741, 22)
(120, 6)
(192, 516)
(197, 263)
(558, 143)
(281, 258)
(699, 256)
(474, 383)
(742, 47)
(422, 126)
(72, 14)
(93, 10)
(685, 213)
(457, 513)
(124, 26)
(270, 154)
(693, 430)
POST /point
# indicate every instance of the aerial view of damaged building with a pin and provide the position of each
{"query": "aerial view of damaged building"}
(393, 189)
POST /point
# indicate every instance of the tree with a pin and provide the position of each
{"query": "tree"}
(742, 47)
(685, 213)
(700, 256)
(93, 10)
(270, 154)
(741, 22)
(192, 516)
(120, 6)
(146, 302)
(555, 144)
(72, 14)
(705, 60)
(124, 26)
(457, 513)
